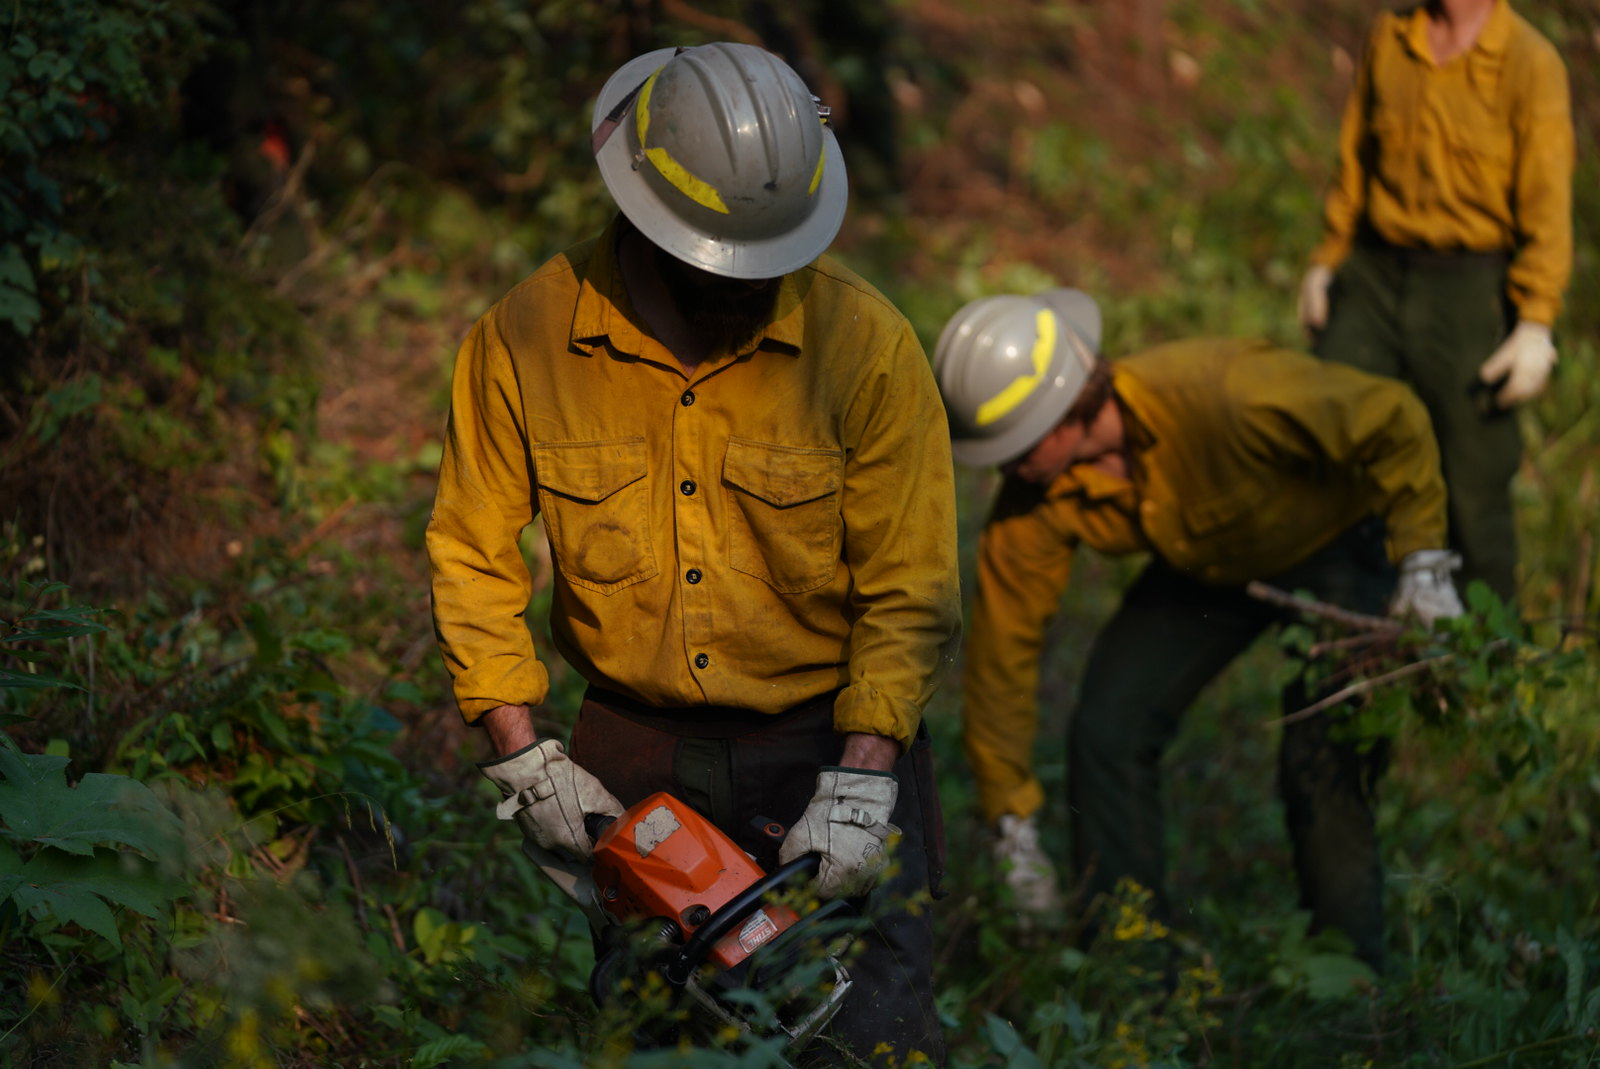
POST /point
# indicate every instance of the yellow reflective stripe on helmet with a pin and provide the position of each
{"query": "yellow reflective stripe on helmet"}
(816, 179)
(696, 189)
(1013, 395)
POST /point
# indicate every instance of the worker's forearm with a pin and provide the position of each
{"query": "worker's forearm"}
(510, 728)
(875, 752)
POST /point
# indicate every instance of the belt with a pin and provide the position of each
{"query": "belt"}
(1411, 256)
(705, 721)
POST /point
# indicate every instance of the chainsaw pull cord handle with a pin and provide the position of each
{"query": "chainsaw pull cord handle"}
(685, 961)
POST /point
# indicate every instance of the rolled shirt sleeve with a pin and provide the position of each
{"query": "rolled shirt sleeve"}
(898, 506)
(481, 585)
(1024, 566)
(1542, 188)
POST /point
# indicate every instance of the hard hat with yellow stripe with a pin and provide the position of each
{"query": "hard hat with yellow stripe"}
(1010, 367)
(721, 156)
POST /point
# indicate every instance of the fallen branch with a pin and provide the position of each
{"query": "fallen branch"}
(1346, 643)
(1311, 607)
(1362, 687)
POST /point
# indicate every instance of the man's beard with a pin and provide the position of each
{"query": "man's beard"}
(725, 313)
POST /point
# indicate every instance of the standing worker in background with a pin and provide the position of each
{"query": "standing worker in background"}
(1228, 461)
(744, 474)
(1448, 242)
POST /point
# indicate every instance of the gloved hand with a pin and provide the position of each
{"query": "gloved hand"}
(549, 794)
(1524, 360)
(847, 822)
(1425, 589)
(1313, 305)
(1025, 867)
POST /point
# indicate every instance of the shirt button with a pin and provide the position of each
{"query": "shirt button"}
(692, 576)
(687, 486)
(701, 660)
(687, 399)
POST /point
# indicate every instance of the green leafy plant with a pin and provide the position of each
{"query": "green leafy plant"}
(69, 852)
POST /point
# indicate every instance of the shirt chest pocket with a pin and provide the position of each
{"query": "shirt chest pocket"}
(784, 526)
(1221, 514)
(595, 499)
(1481, 146)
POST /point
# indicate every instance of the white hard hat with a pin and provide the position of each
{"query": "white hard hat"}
(721, 156)
(1010, 367)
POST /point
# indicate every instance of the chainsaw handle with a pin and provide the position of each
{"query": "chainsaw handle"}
(595, 823)
(737, 908)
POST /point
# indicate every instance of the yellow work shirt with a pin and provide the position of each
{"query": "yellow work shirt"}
(776, 525)
(1244, 459)
(1475, 154)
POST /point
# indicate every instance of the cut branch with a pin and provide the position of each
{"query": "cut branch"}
(1362, 687)
(1311, 607)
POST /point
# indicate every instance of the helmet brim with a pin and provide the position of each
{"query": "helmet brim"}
(731, 258)
(1080, 311)
(1017, 441)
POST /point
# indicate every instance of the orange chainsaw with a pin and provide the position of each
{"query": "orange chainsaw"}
(674, 895)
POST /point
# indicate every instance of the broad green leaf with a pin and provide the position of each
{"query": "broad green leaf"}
(1572, 956)
(119, 878)
(447, 1048)
(1005, 1041)
(10, 870)
(80, 890)
(14, 270)
(269, 642)
(37, 804)
(1333, 976)
(70, 904)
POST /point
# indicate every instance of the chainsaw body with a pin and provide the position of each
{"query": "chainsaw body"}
(662, 859)
(664, 868)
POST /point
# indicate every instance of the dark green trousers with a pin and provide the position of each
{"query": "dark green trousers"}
(1172, 635)
(1430, 320)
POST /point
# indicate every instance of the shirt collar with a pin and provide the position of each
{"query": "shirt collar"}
(1492, 39)
(1496, 33)
(1096, 485)
(603, 309)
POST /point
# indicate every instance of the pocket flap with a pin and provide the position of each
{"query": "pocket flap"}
(589, 471)
(1213, 514)
(782, 475)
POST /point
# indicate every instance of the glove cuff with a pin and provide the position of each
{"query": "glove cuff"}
(484, 766)
(1430, 559)
(859, 771)
(515, 772)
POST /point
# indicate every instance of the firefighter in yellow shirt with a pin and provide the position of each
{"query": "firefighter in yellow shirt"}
(1448, 242)
(744, 475)
(1226, 461)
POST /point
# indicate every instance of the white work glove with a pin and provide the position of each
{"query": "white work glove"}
(847, 822)
(1524, 360)
(1425, 589)
(1313, 305)
(549, 794)
(1025, 868)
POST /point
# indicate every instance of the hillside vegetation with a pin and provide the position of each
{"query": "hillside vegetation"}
(239, 821)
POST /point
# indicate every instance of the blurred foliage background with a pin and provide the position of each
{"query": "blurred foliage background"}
(238, 245)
